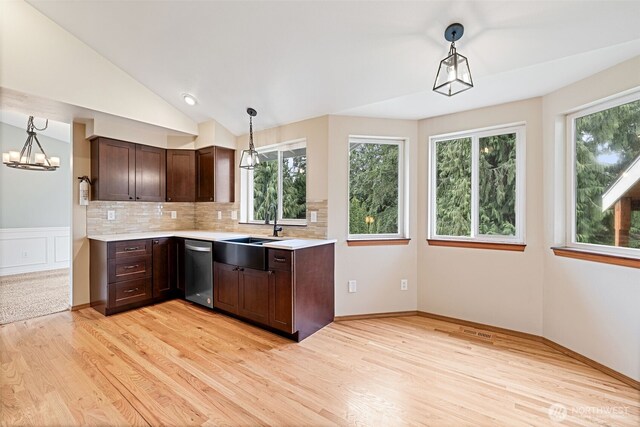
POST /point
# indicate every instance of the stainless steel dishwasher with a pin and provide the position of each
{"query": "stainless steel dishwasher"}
(198, 263)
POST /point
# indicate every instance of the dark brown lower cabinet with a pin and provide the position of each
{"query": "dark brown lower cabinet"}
(164, 268)
(132, 273)
(180, 277)
(294, 295)
(281, 301)
(253, 291)
(225, 287)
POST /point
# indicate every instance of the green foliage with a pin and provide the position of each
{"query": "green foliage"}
(265, 188)
(294, 186)
(497, 185)
(373, 188)
(607, 142)
(453, 187)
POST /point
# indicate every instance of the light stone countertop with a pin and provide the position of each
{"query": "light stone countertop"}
(285, 243)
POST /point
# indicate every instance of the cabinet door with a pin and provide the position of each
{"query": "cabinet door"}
(151, 173)
(224, 170)
(181, 176)
(281, 300)
(254, 295)
(113, 169)
(164, 268)
(204, 167)
(225, 287)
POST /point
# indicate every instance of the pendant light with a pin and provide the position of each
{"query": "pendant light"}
(28, 158)
(454, 75)
(249, 159)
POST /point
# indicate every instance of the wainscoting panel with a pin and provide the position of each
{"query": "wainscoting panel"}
(24, 250)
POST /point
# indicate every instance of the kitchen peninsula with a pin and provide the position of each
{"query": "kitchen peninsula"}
(287, 288)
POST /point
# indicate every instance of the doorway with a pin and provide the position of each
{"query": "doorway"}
(35, 222)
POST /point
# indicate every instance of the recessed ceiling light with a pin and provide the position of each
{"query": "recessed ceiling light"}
(189, 99)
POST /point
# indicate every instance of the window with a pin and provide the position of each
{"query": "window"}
(376, 188)
(477, 188)
(605, 176)
(279, 180)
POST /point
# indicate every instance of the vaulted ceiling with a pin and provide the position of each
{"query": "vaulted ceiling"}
(293, 60)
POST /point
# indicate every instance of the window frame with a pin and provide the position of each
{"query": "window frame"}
(403, 232)
(519, 238)
(247, 185)
(570, 122)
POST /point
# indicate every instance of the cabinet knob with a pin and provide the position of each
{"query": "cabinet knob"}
(210, 198)
(168, 199)
(130, 198)
(138, 197)
(155, 242)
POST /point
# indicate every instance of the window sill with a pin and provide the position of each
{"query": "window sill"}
(377, 242)
(597, 257)
(513, 247)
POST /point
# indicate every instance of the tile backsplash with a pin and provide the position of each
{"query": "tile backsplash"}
(207, 219)
(135, 217)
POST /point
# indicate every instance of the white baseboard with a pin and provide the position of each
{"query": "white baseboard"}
(25, 250)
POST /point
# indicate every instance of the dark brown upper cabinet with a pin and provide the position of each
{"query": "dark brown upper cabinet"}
(151, 173)
(181, 176)
(113, 169)
(126, 171)
(215, 168)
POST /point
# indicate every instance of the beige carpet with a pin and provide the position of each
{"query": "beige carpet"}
(23, 296)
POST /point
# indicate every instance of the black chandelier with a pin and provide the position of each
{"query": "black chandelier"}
(249, 159)
(454, 75)
(28, 158)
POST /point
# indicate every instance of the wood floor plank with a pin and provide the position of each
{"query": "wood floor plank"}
(179, 364)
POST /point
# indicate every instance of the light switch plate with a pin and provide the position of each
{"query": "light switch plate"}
(314, 216)
(174, 214)
(234, 214)
(352, 286)
(111, 215)
(219, 214)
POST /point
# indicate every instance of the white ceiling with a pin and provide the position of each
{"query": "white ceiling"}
(293, 60)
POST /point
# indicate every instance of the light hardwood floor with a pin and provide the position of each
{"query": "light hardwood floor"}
(177, 364)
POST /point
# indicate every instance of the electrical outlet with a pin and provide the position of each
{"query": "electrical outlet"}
(111, 215)
(314, 216)
(25, 254)
(352, 286)
(234, 214)
(404, 285)
(219, 214)
(174, 214)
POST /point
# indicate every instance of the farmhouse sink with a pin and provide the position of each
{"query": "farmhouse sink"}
(245, 252)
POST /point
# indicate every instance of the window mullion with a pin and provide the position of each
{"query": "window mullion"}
(475, 160)
(280, 214)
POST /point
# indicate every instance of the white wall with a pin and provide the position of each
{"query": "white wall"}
(498, 288)
(376, 269)
(31, 199)
(39, 57)
(591, 308)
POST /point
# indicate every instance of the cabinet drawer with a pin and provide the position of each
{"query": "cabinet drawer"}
(129, 268)
(279, 259)
(129, 292)
(129, 248)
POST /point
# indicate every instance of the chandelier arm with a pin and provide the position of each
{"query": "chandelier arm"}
(46, 125)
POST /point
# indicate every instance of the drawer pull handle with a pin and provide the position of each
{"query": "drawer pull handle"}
(131, 249)
(279, 259)
(129, 267)
(128, 291)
